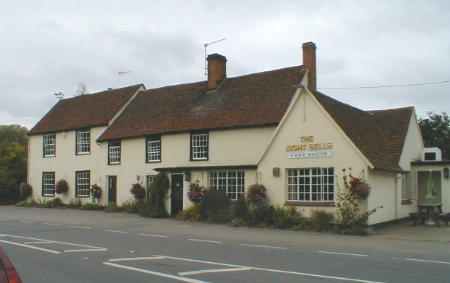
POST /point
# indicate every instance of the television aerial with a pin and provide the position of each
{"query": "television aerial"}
(205, 45)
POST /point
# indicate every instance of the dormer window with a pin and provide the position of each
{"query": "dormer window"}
(200, 146)
(49, 145)
(83, 142)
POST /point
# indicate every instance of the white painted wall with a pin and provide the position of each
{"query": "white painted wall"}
(413, 147)
(307, 118)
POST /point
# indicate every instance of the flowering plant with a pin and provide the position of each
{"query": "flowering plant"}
(96, 191)
(196, 192)
(357, 186)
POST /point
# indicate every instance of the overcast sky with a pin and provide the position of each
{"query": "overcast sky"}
(52, 46)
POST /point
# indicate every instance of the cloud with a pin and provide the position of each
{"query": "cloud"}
(51, 46)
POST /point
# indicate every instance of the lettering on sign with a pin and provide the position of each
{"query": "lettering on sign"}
(307, 149)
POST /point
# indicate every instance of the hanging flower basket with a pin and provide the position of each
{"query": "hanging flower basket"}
(359, 188)
(138, 192)
(196, 193)
(96, 191)
(62, 187)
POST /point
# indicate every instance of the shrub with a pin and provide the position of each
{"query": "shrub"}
(215, 206)
(260, 214)
(26, 203)
(155, 206)
(62, 187)
(92, 206)
(96, 191)
(284, 218)
(56, 202)
(239, 209)
(256, 193)
(76, 203)
(237, 222)
(321, 220)
(25, 190)
(130, 206)
(112, 207)
(190, 214)
(138, 191)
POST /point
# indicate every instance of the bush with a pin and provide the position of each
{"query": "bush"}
(130, 206)
(256, 193)
(321, 220)
(260, 214)
(56, 202)
(215, 207)
(138, 191)
(112, 207)
(190, 214)
(285, 218)
(62, 187)
(76, 203)
(239, 209)
(26, 203)
(25, 191)
(156, 205)
(92, 206)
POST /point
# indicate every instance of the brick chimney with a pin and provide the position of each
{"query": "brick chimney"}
(309, 62)
(217, 70)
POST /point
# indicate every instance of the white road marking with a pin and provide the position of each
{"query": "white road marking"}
(39, 242)
(153, 235)
(206, 241)
(86, 250)
(214, 271)
(116, 231)
(136, 258)
(30, 247)
(341, 253)
(427, 260)
(165, 275)
(51, 224)
(275, 270)
(263, 246)
(81, 227)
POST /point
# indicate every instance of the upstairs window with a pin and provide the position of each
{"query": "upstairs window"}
(199, 146)
(83, 141)
(231, 182)
(153, 149)
(48, 184)
(49, 145)
(83, 184)
(311, 184)
(114, 152)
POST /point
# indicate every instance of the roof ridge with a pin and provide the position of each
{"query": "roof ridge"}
(101, 92)
(266, 72)
(391, 109)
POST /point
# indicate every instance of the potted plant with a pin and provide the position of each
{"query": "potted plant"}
(196, 192)
(138, 192)
(62, 187)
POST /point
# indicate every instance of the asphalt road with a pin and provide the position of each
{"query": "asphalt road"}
(62, 245)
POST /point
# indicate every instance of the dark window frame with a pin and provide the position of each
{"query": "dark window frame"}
(192, 134)
(42, 184)
(110, 143)
(77, 195)
(153, 138)
(76, 141)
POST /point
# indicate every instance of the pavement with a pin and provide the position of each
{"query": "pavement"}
(64, 245)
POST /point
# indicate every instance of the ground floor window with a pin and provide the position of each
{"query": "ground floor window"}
(48, 184)
(311, 184)
(229, 181)
(83, 184)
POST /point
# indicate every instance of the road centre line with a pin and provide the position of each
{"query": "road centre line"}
(153, 235)
(165, 275)
(116, 231)
(214, 271)
(30, 247)
(427, 260)
(205, 241)
(136, 258)
(263, 246)
(275, 270)
(341, 253)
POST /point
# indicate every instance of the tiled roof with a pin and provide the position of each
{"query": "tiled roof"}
(259, 99)
(87, 110)
(378, 134)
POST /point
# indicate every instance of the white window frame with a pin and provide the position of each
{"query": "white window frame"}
(48, 184)
(199, 146)
(49, 145)
(114, 152)
(230, 181)
(83, 184)
(83, 142)
(311, 184)
(153, 149)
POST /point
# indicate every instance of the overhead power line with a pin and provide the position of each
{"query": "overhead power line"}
(389, 85)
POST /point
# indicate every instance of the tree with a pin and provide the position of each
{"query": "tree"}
(13, 161)
(436, 132)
